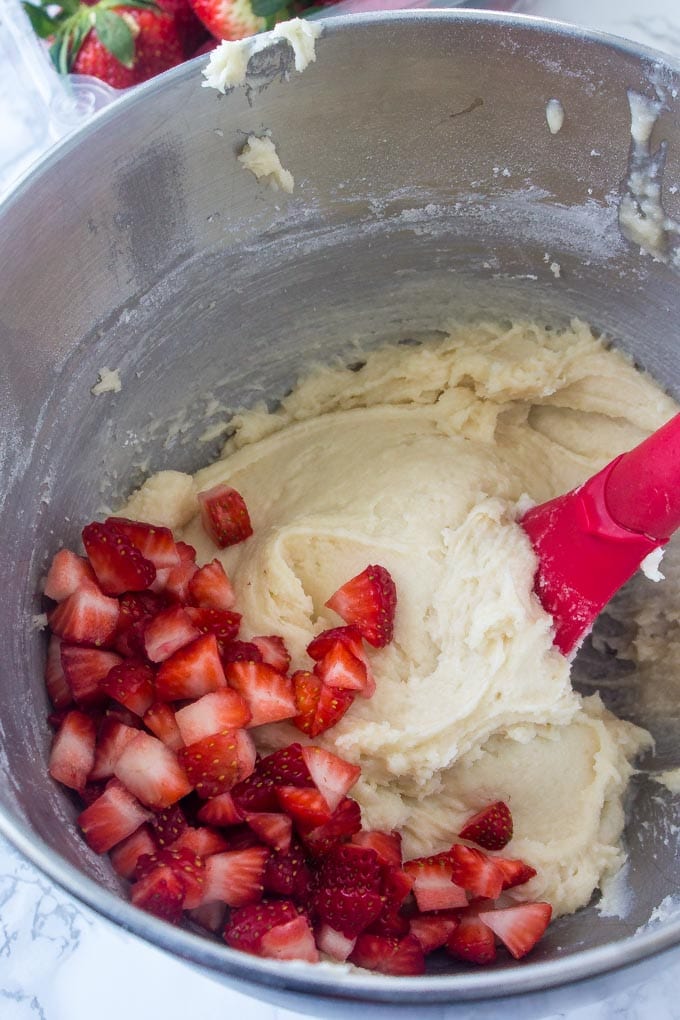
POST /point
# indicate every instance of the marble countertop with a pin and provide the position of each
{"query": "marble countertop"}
(60, 961)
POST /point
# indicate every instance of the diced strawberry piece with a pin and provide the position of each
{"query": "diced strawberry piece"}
(85, 669)
(220, 811)
(55, 679)
(67, 572)
(214, 764)
(246, 926)
(515, 872)
(273, 829)
(324, 642)
(474, 871)
(161, 893)
(490, 828)
(112, 739)
(209, 916)
(269, 694)
(339, 668)
(87, 617)
(153, 541)
(433, 930)
(131, 684)
(160, 719)
(318, 707)
(291, 941)
(285, 767)
(167, 632)
(332, 776)
(224, 515)
(387, 845)
(191, 672)
(399, 957)
(176, 583)
(288, 874)
(239, 651)
(396, 886)
(126, 854)
(519, 927)
(472, 941)
(433, 885)
(240, 837)
(215, 712)
(343, 823)
(136, 609)
(273, 651)
(72, 752)
(368, 602)
(347, 894)
(220, 622)
(307, 808)
(210, 588)
(186, 552)
(118, 565)
(167, 825)
(235, 877)
(334, 944)
(186, 864)
(201, 841)
(111, 817)
(151, 772)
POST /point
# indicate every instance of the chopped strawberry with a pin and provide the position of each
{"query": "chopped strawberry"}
(433, 885)
(125, 855)
(246, 926)
(340, 668)
(307, 808)
(151, 772)
(285, 767)
(387, 845)
(269, 694)
(191, 672)
(343, 823)
(167, 632)
(214, 764)
(111, 817)
(201, 841)
(72, 752)
(220, 622)
(515, 872)
(161, 893)
(214, 712)
(318, 707)
(347, 894)
(519, 927)
(131, 683)
(187, 865)
(67, 572)
(400, 957)
(287, 874)
(118, 565)
(160, 719)
(240, 837)
(112, 739)
(119, 713)
(235, 877)
(176, 583)
(332, 776)
(85, 669)
(273, 651)
(368, 602)
(220, 811)
(240, 651)
(334, 944)
(273, 829)
(210, 588)
(87, 617)
(490, 828)
(209, 916)
(475, 872)
(55, 679)
(154, 542)
(433, 930)
(396, 887)
(224, 515)
(472, 941)
(291, 941)
(325, 641)
(136, 609)
(168, 825)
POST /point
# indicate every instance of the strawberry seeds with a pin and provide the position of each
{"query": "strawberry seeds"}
(155, 704)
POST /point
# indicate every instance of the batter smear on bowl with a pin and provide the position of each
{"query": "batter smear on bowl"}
(333, 674)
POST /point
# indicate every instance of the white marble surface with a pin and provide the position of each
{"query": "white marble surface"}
(58, 960)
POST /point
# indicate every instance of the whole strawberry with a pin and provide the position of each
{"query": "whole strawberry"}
(122, 44)
(235, 19)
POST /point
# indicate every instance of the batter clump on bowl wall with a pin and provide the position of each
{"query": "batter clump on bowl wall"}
(417, 461)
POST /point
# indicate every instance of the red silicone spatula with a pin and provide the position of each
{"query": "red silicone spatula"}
(590, 541)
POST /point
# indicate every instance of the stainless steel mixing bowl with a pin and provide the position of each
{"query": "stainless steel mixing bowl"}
(428, 187)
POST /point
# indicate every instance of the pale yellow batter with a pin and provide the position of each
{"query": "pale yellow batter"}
(417, 462)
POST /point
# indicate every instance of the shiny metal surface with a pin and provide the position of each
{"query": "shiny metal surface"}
(428, 188)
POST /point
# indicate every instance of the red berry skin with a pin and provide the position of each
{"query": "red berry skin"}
(158, 46)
